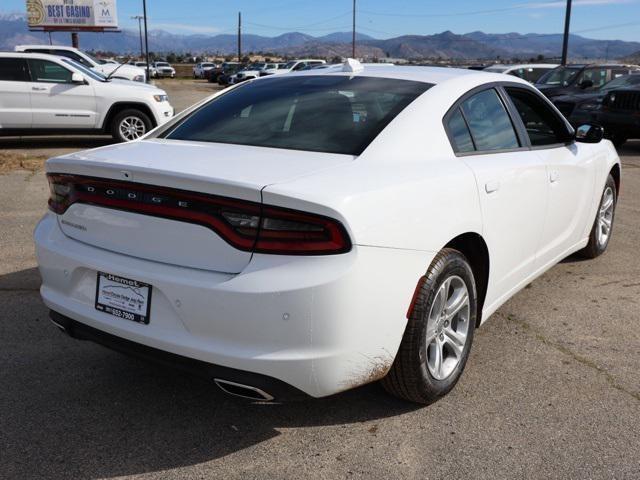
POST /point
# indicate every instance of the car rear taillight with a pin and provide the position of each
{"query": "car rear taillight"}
(248, 226)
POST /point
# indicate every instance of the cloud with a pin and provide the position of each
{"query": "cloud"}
(184, 28)
(576, 3)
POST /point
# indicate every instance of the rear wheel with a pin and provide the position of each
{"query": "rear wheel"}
(130, 124)
(603, 224)
(439, 333)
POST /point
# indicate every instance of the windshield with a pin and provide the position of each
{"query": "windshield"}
(621, 82)
(87, 71)
(162, 64)
(561, 76)
(94, 59)
(289, 65)
(337, 114)
(205, 65)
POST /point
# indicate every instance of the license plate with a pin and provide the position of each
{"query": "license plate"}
(123, 298)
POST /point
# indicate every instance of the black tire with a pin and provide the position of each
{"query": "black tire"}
(129, 113)
(596, 245)
(410, 378)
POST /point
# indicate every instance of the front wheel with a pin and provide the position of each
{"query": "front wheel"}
(130, 125)
(439, 333)
(603, 224)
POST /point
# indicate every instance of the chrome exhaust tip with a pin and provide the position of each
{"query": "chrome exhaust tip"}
(61, 327)
(243, 391)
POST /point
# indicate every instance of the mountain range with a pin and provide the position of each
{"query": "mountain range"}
(446, 45)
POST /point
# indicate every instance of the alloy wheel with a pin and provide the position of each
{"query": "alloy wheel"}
(605, 216)
(447, 327)
(132, 128)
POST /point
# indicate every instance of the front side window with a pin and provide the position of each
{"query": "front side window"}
(332, 114)
(489, 122)
(543, 125)
(597, 76)
(48, 72)
(560, 76)
(13, 70)
(459, 133)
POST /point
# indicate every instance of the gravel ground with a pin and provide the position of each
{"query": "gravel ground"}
(552, 388)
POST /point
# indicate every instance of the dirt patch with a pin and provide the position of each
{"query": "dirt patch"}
(12, 161)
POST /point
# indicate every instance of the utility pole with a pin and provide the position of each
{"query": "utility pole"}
(353, 38)
(565, 41)
(146, 36)
(239, 36)
(139, 18)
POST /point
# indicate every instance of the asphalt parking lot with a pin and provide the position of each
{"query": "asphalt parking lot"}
(552, 388)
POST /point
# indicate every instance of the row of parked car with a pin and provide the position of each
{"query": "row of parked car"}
(603, 94)
(45, 88)
(606, 94)
(229, 73)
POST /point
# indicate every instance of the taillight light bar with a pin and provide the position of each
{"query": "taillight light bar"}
(248, 226)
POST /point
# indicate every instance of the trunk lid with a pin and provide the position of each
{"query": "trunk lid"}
(232, 171)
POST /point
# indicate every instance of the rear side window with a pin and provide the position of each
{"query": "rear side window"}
(543, 125)
(489, 122)
(459, 133)
(48, 72)
(13, 70)
(332, 114)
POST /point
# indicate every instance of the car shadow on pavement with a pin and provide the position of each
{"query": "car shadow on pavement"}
(74, 142)
(74, 409)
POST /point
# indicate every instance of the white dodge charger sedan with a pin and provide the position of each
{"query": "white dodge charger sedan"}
(304, 234)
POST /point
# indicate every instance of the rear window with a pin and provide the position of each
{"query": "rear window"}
(332, 114)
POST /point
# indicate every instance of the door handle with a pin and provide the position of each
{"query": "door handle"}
(492, 186)
(554, 176)
(39, 89)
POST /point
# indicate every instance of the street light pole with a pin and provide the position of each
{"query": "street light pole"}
(139, 18)
(353, 38)
(239, 37)
(146, 37)
(565, 40)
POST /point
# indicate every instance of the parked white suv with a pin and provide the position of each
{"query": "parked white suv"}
(200, 68)
(127, 72)
(42, 94)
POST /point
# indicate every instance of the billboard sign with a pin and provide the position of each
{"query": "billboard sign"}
(72, 15)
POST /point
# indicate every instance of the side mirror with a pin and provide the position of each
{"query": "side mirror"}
(589, 133)
(586, 84)
(77, 78)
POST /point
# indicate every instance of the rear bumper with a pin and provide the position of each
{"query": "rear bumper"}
(319, 324)
(280, 391)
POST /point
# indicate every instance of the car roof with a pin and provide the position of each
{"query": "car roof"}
(522, 65)
(43, 56)
(431, 75)
(591, 65)
(56, 47)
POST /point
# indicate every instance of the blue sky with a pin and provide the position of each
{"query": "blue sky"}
(605, 19)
